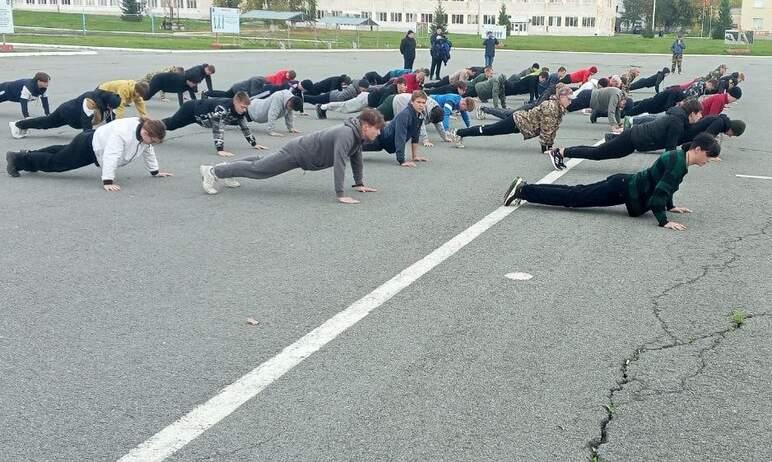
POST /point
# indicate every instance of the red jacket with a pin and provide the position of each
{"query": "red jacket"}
(411, 82)
(714, 105)
(583, 75)
(279, 78)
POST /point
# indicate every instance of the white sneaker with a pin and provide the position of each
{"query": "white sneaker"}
(208, 179)
(479, 113)
(16, 132)
(231, 183)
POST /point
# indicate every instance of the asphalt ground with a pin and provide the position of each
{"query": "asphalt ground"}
(124, 311)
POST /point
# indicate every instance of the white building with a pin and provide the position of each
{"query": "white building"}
(538, 17)
(192, 9)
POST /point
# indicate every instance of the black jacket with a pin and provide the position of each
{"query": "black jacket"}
(407, 48)
(197, 74)
(714, 125)
(664, 132)
(74, 113)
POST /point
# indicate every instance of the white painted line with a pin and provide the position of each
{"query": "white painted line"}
(755, 176)
(519, 276)
(190, 426)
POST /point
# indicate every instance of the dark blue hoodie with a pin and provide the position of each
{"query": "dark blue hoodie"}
(23, 91)
(395, 135)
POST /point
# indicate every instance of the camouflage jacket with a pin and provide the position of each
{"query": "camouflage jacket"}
(630, 77)
(714, 74)
(542, 121)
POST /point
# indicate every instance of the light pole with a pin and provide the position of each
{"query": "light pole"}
(653, 14)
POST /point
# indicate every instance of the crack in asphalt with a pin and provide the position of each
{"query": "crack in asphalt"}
(729, 247)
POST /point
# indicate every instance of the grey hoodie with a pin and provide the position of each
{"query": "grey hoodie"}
(346, 94)
(270, 109)
(331, 147)
(607, 100)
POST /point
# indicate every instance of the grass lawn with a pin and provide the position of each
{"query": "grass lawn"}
(623, 43)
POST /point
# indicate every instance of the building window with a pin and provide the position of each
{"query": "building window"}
(364, 14)
(178, 4)
(66, 2)
(572, 21)
(489, 19)
(554, 21)
(396, 17)
(192, 4)
(472, 19)
(319, 14)
(30, 2)
(336, 13)
(427, 18)
(152, 3)
(382, 16)
(588, 22)
(758, 3)
(41, 2)
(457, 19)
(758, 23)
(537, 21)
(409, 17)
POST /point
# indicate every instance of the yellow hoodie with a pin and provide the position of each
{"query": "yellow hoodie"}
(125, 89)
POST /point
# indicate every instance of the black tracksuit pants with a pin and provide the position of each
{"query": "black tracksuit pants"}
(620, 146)
(442, 90)
(65, 114)
(504, 126)
(184, 116)
(582, 101)
(660, 102)
(377, 79)
(609, 192)
(440, 83)
(647, 82)
(60, 158)
(500, 113)
(169, 82)
(409, 60)
(220, 94)
(317, 99)
(435, 69)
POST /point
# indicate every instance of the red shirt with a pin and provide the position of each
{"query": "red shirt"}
(714, 105)
(686, 85)
(411, 82)
(279, 78)
(580, 76)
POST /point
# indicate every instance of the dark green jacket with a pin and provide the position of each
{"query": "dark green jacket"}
(653, 188)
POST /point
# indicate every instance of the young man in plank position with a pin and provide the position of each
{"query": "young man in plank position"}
(405, 127)
(650, 189)
(663, 133)
(110, 146)
(171, 82)
(215, 113)
(331, 147)
(130, 92)
(542, 121)
(82, 113)
(202, 72)
(280, 104)
(651, 81)
(23, 91)
(433, 114)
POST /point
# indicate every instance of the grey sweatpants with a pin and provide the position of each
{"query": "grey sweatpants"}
(256, 167)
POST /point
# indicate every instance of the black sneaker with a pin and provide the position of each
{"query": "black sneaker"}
(10, 167)
(512, 197)
(321, 113)
(593, 117)
(556, 158)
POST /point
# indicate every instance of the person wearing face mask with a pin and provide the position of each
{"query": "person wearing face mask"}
(542, 121)
(332, 147)
(110, 146)
(662, 133)
(648, 190)
(215, 113)
(25, 90)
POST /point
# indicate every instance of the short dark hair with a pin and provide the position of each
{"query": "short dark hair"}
(735, 92)
(707, 143)
(462, 84)
(535, 66)
(42, 77)
(292, 75)
(562, 68)
(691, 106)
(242, 97)
(544, 74)
(436, 115)
(210, 67)
(399, 80)
(295, 103)
(603, 82)
(372, 117)
(737, 127)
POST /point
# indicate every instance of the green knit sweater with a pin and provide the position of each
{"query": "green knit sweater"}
(653, 188)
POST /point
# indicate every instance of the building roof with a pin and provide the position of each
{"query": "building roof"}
(267, 15)
(346, 21)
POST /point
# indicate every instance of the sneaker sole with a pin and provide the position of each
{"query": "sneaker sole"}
(509, 197)
(203, 177)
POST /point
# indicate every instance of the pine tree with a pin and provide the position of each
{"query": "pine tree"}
(309, 8)
(132, 11)
(504, 19)
(724, 20)
(440, 18)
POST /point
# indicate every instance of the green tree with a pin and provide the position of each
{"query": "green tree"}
(132, 10)
(309, 7)
(228, 3)
(504, 18)
(440, 18)
(724, 20)
(636, 10)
